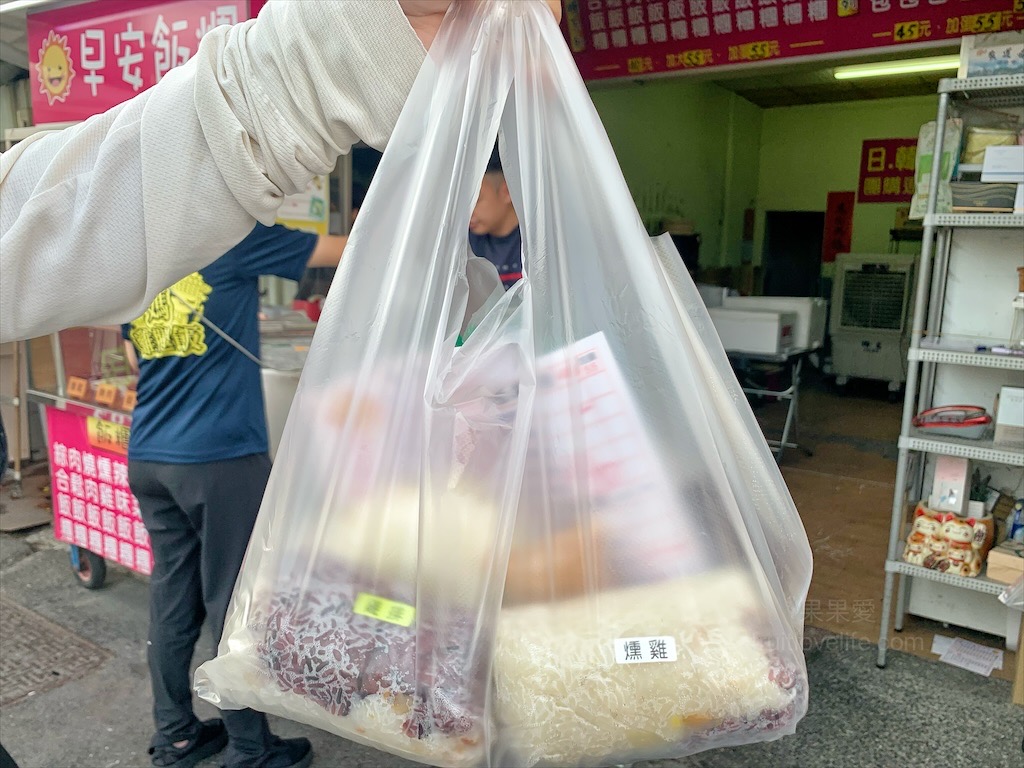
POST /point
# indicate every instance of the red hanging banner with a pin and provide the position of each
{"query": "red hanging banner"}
(838, 225)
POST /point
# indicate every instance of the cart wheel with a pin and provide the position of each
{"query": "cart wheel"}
(90, 568)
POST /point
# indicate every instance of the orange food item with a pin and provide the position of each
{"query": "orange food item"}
(548, 569)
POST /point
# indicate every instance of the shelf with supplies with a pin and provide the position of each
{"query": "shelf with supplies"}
(970, 169)
(966, 292)
(976, 583)
(978, 450)
(936, 354)
(992, 91)
(975, 220)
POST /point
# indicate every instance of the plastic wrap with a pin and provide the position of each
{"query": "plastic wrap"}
(552, 534)
(1013, 595)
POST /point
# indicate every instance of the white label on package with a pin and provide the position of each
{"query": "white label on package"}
(642, 650)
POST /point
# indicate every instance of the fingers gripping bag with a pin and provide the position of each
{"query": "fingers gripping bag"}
(538, 527)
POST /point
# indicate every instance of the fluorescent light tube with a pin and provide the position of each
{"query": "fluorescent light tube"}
(890, 68)
(19, 5)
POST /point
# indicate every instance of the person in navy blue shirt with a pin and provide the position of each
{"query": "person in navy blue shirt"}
(198, 464)
(494, 226)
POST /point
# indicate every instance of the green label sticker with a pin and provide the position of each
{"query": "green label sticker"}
(382, 609)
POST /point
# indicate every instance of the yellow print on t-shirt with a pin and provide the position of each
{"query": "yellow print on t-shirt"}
(172, 325)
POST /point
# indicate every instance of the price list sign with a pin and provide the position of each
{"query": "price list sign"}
(93, 507)
(634, 38)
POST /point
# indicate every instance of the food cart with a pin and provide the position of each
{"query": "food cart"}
(86, 389)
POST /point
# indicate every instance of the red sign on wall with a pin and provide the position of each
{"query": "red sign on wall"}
(87, 58)
(838, 225)
(887, 171)
(631, 38)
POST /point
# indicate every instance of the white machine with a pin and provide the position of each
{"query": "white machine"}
(871, 309)
(809, 332)
(761, 332)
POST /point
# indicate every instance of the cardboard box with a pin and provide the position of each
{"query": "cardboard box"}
(981, 197)
(810, 315)
(755, 332)
(1006, 562)
(1010, 416)
(903, 220)
(1004, 164)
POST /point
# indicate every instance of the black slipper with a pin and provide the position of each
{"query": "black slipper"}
(210, 740)
(283, 753)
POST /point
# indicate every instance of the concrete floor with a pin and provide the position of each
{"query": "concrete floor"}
(843, 492)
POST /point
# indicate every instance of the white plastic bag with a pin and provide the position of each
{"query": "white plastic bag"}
(562, 542)
(1013, 595)
(952, 135)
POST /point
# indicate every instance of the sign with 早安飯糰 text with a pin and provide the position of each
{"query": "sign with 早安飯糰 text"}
(85, 59)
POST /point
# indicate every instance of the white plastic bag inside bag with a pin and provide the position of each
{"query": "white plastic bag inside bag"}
(1013, 595)
(562, 542)
(484, 290)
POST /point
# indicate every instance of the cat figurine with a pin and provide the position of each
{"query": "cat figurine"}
(924, 530)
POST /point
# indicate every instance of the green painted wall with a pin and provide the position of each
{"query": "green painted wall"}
(808, 151)
(690, 149)
(706, 152)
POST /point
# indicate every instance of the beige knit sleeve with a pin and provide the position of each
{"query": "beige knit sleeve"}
(98, 218)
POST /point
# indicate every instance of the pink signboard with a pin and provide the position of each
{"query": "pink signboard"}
(87, 58)
(93, 507)
(630, 38)
(887, 171)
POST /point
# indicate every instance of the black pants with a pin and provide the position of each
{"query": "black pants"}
(199, 518)
(6, 761)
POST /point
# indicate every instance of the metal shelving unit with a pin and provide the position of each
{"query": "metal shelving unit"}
(978, 450)
(975, 220)
(972, 359)
(973, 583)
(995, 91)
(987, 92)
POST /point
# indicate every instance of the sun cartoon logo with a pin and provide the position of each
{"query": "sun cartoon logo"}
(54, 68)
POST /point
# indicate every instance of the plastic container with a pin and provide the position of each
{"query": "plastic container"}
(965, 421)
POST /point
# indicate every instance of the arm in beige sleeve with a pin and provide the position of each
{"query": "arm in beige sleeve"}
(97, 219)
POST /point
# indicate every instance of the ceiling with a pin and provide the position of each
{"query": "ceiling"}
(788, 85)
(782, 85)
(13, 50)
(13, 43)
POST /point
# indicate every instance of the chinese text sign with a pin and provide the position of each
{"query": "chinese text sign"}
(887, 171)
(85, 59)
(631, 38)
(93, 506)
(838, 225)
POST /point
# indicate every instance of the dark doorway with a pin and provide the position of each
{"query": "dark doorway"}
(792, 253)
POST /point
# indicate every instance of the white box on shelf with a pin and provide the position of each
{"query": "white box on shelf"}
(755, 333)
(810, 314)
(1004, 164)
(1010, 416)
(949, 486)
